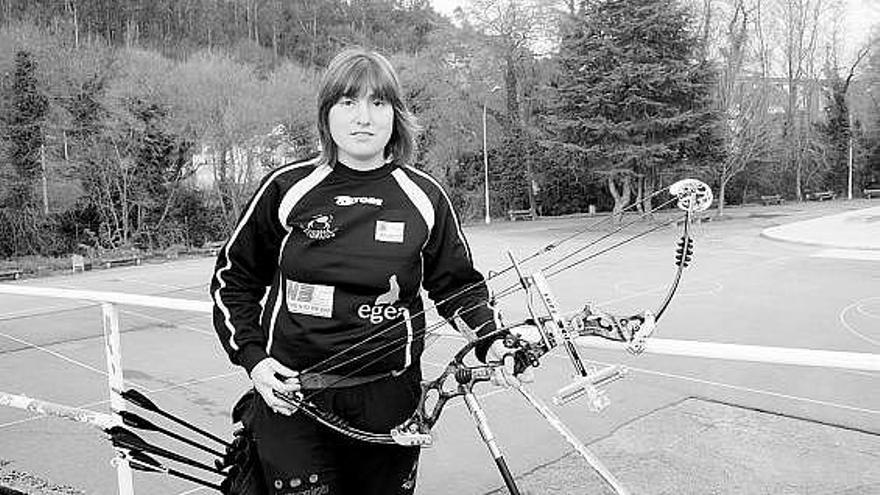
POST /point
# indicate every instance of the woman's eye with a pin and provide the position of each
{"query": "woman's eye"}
(379, 102)
(346, 102)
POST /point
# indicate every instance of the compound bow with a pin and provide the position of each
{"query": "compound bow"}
(554, 329)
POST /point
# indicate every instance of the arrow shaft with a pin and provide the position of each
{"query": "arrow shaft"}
(172, 472)
(188, 441)
(159, 451)
(192, 427)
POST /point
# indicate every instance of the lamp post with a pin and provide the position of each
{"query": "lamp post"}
(849, 177)
(486, 161)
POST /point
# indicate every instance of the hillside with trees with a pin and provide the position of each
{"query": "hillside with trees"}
(134, 124)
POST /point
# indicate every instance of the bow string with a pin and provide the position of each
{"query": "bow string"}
(691, 196)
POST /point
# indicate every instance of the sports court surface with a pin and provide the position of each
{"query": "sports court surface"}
(740, 288)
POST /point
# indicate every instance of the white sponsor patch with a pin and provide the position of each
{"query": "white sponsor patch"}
(310, 299)
(389, 231)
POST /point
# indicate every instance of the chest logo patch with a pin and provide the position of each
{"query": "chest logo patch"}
(344, 200)
(310, 299)
(389, 231)
(383, 309)
(320, 227)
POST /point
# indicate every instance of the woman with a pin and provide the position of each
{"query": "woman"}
(317, 289)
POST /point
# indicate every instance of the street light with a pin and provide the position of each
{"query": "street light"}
(486, 159)
(849, 175)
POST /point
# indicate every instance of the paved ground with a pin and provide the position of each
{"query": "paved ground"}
(859, 229)
(698, 447)
(667, 430)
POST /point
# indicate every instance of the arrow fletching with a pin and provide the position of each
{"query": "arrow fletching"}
(139, 400)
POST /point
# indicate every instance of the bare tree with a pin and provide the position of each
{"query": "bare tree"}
(743, 96)
(801, 28)
(515, 28)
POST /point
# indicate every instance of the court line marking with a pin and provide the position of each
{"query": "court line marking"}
(743, 388)
(861, 309)
(44, 310)
(841, 316)
(53, 353)
(714, 277)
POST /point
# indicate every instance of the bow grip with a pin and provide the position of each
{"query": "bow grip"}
(589, 385)
(636, 344)
(411, 436)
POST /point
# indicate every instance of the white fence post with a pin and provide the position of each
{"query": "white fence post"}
(113, 351)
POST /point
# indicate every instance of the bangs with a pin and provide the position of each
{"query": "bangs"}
(365, 78)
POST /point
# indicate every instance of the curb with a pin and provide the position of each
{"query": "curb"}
(806, 242)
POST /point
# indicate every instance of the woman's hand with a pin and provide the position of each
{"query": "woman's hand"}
(270, 376)
(505, 376)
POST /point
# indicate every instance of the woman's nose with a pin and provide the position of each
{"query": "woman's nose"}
(362, 112)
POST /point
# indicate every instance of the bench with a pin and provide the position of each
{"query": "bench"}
(871, 193)
(79, 262)
(132, 260)
(515, 215)
(210, 248)
(772, 199)
(821, 196)
(14, 274)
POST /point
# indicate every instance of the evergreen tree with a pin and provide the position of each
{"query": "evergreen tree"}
(837, 132)
(634, 96)
(24, 130)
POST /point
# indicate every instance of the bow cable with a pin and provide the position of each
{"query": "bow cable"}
(433, 305)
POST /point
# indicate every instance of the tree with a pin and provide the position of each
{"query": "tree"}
(800, 23)
(513, 28)
(743, 98)
(838, 125)
(23, 126)
(633, 97)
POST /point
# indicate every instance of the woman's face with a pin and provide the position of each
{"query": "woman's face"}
(361, 127)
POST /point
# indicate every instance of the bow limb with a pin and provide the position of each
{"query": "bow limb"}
(334, 422)
(681, 263)
(342, 427)
(693, 196)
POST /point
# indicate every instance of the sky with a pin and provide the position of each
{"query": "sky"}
(860, 15)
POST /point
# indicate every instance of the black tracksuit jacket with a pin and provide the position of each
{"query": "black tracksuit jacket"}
(324, 269)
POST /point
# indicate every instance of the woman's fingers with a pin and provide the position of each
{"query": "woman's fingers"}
(269, 376)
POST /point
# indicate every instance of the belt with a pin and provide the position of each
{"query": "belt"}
(319, 381)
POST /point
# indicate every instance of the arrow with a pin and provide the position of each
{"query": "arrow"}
(143, 402)
(125, 439)
(135, 421)
(141, 460)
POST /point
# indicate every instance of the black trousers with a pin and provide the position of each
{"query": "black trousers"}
(299, 456)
